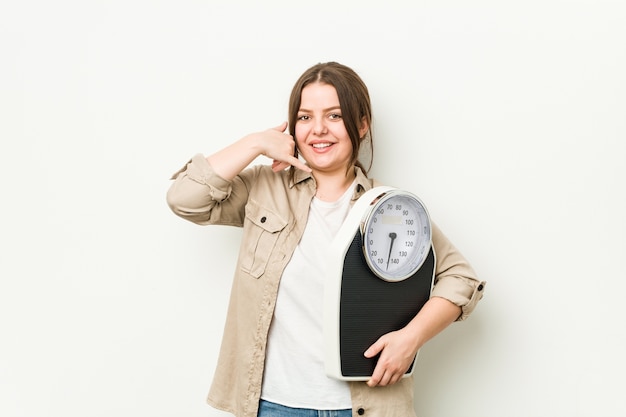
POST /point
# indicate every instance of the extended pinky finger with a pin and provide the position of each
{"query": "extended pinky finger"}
(299, 164)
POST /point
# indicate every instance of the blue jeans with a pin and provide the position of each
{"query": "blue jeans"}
(269, 409)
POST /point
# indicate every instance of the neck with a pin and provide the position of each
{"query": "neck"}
(331, 187)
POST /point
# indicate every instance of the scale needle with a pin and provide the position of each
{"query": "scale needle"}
(392, 236)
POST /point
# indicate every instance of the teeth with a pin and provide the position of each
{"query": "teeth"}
(321, 145)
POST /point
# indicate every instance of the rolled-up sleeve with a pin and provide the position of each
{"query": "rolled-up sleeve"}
(197, 193)
(455, 279)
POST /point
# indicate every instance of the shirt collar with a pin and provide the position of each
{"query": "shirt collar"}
(363, 183)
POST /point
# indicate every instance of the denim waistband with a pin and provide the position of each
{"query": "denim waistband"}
(270, 409)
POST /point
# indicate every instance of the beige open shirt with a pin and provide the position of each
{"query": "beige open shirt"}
(272, 208)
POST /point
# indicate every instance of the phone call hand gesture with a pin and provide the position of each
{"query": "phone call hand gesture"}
(273, 143)
(280, 147)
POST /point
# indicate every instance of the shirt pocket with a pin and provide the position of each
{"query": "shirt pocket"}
(261, 231)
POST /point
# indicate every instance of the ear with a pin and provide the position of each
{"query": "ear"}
(363, 128)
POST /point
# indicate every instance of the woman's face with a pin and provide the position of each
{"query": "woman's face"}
(321, 136)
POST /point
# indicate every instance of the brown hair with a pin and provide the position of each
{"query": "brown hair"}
(354, 100)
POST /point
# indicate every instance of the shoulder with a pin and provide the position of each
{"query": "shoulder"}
(376, 183)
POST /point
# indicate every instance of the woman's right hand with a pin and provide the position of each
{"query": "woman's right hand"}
(280, 147)
(273, 143)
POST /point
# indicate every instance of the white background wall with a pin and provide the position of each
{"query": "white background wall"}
(507, 118)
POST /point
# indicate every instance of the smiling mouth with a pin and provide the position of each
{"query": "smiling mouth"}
(321, 145)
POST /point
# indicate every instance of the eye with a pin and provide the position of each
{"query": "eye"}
(303, 117)
(334, 116)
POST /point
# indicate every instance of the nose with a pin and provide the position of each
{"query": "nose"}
(320, 127)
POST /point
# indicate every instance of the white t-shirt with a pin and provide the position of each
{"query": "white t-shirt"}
(294, 367)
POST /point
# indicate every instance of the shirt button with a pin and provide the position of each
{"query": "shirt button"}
(360, 411)
(480, 287)
(263, 219)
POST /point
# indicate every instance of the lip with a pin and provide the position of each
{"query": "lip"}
(321, 145)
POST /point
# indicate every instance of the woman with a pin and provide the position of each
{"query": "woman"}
(271, 360)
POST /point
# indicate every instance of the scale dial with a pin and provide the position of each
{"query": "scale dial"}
(396, 235)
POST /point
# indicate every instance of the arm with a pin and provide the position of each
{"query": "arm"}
(455, 294)
(398, 349)
(211, 190)
(273, 143)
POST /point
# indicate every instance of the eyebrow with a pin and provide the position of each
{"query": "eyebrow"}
(323, 110)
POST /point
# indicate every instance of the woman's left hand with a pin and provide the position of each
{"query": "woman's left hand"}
(397, 351)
